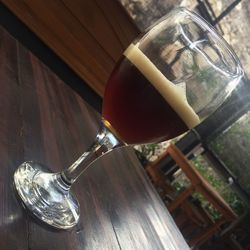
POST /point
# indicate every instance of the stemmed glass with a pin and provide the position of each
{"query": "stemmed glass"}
(168, 80)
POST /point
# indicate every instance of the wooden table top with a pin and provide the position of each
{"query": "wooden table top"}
(42, 119)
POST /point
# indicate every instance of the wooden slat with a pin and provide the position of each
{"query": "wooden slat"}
(88, 35)
(93, 21)
(119, 20)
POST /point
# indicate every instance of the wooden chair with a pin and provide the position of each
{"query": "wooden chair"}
(195, 223)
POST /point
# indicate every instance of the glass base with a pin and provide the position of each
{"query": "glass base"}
(46, 195)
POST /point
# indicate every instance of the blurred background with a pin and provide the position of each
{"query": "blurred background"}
(220, 148)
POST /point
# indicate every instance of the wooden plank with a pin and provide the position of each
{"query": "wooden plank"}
(119, 20)
(89, 36)
(93, 21)
(13, 222)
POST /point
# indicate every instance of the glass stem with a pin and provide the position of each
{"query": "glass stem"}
(104, 142)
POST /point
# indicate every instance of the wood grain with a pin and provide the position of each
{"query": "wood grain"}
(89, 36)
(12, 218)
(42, 119)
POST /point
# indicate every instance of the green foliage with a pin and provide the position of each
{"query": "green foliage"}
(214, 213)
(221, 186)
(233, 147)
(148, 150)
(145, 151)
(179, 186)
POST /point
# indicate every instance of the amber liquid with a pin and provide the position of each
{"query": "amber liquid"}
(137, 111)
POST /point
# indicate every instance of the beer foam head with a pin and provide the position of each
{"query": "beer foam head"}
(175, 95)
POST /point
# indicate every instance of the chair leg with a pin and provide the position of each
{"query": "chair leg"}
(183, 196)
(209, 232)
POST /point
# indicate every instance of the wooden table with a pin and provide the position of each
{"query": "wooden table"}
(44, 120)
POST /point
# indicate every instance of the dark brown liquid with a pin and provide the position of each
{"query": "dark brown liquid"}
(136, 110)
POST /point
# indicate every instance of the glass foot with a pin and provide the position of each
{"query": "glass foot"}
(46, 195)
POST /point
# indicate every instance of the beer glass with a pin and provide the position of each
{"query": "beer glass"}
(167, 81)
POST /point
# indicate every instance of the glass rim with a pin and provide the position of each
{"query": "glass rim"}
(238, 72)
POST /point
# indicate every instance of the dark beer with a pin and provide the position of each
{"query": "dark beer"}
(137, 111)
